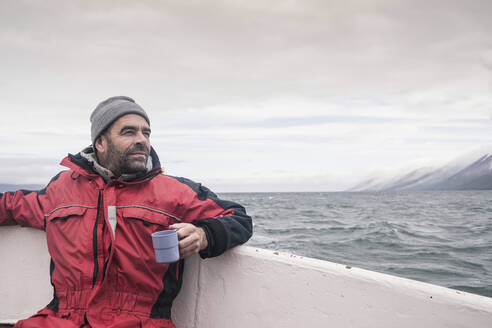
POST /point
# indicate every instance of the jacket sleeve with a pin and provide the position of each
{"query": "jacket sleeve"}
(21, 207)
(25, 207)
(226, 223)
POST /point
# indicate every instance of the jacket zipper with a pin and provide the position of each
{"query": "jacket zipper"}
(106, 262)
(94, 239)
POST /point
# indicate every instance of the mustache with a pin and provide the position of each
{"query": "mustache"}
(138, 148)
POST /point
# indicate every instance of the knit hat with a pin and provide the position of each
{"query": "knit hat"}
(110, 110)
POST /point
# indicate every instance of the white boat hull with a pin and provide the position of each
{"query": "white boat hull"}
(250, 287)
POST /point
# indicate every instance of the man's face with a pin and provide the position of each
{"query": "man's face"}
(125, 147)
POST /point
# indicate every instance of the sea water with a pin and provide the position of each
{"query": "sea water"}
(439, 237)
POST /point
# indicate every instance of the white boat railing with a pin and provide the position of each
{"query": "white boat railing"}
(251, 287)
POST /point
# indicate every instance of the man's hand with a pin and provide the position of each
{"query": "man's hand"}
(192, 239)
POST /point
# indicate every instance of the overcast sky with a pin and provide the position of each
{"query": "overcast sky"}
(250, 95)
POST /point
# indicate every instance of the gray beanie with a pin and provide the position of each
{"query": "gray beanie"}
(110, 110)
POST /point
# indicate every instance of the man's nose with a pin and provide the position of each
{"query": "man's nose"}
(141, 138)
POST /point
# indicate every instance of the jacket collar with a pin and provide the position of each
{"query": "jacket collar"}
(85, 163)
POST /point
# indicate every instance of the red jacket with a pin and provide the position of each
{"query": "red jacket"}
(101, 279)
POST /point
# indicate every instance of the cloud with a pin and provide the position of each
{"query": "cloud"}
(28, 170)
(238, 53)
(486, 58)
(317, 88)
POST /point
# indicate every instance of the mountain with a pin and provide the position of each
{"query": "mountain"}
(463, 175)
(13, 187)
(476, 176)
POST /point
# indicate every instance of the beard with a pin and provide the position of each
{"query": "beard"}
(120, 162)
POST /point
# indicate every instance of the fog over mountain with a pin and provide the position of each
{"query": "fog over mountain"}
(470, 171)
(473, 173)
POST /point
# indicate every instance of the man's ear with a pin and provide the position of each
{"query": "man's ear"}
(100, 144)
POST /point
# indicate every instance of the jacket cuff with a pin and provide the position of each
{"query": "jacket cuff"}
(216, 237)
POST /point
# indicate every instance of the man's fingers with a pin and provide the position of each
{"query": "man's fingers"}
(190, 238)
(189, 250)
(188, 241)
(182, 229)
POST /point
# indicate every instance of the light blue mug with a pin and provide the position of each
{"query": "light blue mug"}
(166, 246)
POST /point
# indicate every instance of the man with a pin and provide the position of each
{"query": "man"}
(99, 216)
